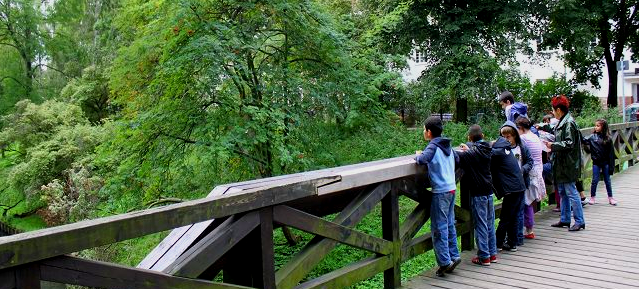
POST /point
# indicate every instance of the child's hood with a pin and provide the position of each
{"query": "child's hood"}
(501, 143)
(510, 124)
(443, 144)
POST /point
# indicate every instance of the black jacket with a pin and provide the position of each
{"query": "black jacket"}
(506, 174)
(475, 163)
(600, 151)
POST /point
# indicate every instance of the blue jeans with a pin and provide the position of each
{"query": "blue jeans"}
(570, 198)
(595, 179)
(442, 228)
(484, 217)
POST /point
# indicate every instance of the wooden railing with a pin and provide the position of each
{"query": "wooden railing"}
(231, 232)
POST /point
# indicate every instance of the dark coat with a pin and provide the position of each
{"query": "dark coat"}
(566, 151)
(526, 158)
(600, 151)
(475, 162)
(504, 167)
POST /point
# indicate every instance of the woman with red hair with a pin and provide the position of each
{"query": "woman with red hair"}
(566, 164)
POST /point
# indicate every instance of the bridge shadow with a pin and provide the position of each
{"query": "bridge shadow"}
(605, 255)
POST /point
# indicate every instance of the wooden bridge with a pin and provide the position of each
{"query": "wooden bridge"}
(230, 234)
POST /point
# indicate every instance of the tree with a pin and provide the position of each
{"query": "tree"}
(220, 85)
(19, 29)
(593, 34)
(454, 35)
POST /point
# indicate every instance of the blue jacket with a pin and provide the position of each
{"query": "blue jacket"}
(507, 176)
(440, 159)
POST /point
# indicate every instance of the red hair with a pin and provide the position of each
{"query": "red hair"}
(561, 102)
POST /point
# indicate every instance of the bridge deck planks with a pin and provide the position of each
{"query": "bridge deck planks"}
(605, 255)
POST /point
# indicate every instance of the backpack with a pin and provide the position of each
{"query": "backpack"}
(518, 109)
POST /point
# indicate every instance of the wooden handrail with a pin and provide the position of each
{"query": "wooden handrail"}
(235, 231)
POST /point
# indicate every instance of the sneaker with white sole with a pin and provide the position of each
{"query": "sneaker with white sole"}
(591, 201)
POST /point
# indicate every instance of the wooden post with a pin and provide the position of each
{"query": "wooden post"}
(28, 276)
(467, 239)
(390, 231)
(268, 254)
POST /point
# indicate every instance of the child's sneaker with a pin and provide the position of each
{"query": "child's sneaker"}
(612, 201)
(591, 201)
(493, 259)
(440, 271)
(483, 262)
(453, 265)
(530, 236)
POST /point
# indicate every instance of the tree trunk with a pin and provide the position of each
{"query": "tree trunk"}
(461, 110)
(612, 84)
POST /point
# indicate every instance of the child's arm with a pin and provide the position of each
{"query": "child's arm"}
(426, 156)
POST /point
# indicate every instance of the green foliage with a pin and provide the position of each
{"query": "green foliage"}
(50, 140)
(592, 31)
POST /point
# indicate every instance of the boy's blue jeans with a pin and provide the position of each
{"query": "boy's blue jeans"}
(596, 170)
(442, 228)
(483, 212)
(570, 198)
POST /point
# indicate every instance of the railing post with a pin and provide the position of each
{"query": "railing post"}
(390, 231)
(268, 254)
(467, 239)
(28, 276)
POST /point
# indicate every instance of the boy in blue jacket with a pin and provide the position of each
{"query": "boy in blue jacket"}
(440, 159)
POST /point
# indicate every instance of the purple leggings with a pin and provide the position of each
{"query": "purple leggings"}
(529, 216)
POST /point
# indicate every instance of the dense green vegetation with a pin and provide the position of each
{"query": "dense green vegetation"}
(110, 106)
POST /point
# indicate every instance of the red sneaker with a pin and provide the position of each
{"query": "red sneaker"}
(493, 259)
(530, 236)
(483, 262)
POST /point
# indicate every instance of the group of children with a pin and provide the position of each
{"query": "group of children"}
(512, 169)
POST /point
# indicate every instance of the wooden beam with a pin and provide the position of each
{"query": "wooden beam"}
(414, 222)
(178, 241)
(390, 232)
(304, 261)
(28, 276)
(297, 219)
(424, 242)
(213, 246)
(267, 248)
(33, 246)
(8, 279)
(76, 271)
(349, 275)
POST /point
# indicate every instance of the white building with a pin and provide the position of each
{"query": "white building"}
(547, 64)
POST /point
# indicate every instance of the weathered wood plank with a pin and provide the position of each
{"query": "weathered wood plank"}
(28, 276)
(414, 222)
(372, 174)
(178, 241)
(38, 245)
(349, 275)
(291, 273)
(213, 246)
(297, 219)
(424, 242)
(390, 231)
(76, 271)
(267, 248)
(8, 279)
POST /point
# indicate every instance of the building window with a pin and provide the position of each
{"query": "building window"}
(419, 56)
